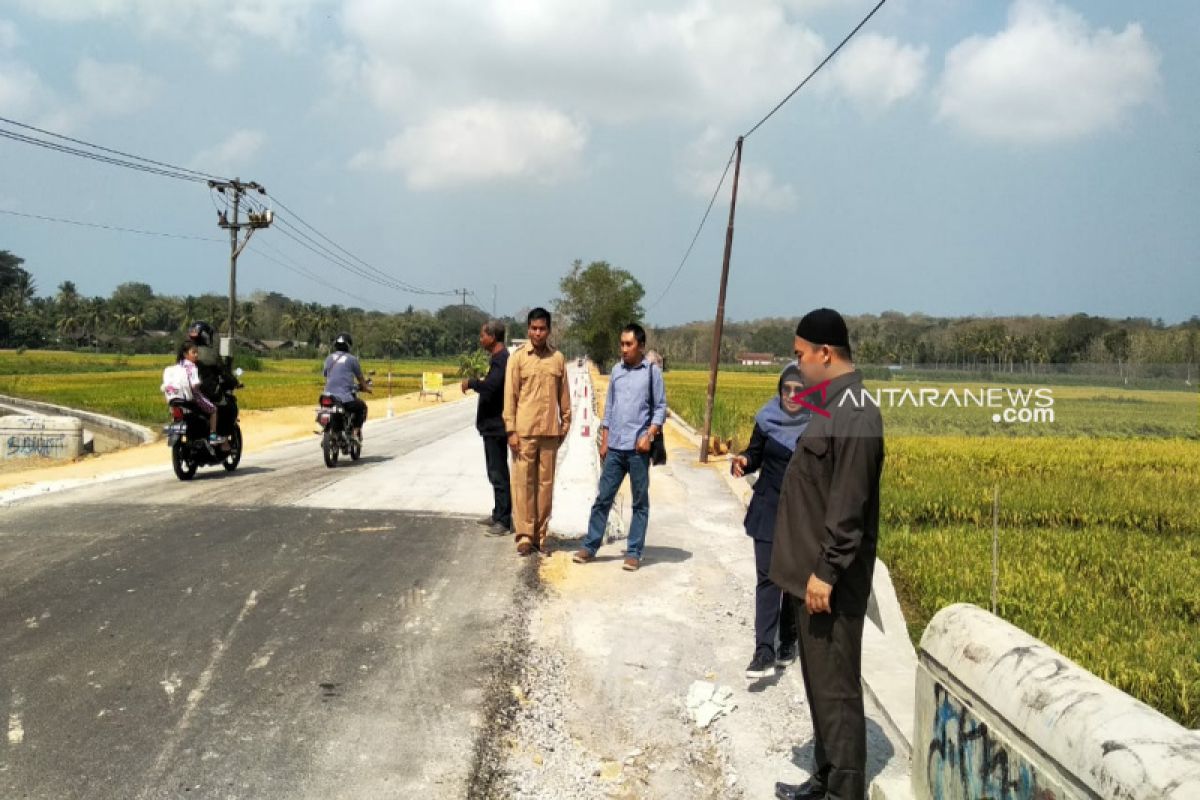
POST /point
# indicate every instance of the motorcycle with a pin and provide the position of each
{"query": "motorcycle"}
(337, 437)
(187, 436)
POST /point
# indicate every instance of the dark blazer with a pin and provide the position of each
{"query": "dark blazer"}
(489, 417)
(765, 454)
(828, 522)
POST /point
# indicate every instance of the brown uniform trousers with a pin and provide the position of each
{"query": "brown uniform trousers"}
(533, 487)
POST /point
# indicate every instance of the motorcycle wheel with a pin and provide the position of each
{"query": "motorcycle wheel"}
(234, 457)
(184, 467)
(355, 450)
(330, 449)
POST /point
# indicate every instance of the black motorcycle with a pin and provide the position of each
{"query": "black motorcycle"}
(187, 436)
(337, 437)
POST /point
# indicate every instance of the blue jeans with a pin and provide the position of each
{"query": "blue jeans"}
(618, 464)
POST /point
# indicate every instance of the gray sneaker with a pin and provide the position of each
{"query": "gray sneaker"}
(486, 522)
(496, 529)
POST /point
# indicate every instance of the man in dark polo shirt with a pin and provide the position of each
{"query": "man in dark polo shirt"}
(826, 534)
(489, 421)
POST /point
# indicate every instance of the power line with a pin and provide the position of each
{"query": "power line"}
(164, 164)
(306, 273)
(712, 200)
(757, 125)
(118, 162)
(816, 69)
(365, 264)
(109, 227)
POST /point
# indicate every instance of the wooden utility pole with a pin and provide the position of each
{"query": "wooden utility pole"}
(719, 323)
(253, 222)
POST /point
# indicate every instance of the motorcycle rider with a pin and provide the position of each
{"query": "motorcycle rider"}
(216, 378)
(343, 378)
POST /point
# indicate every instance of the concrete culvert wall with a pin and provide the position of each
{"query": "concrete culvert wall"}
(40, 437)
(1000, 714)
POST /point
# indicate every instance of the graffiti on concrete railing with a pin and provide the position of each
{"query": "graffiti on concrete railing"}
(965, 759)
(43, 445)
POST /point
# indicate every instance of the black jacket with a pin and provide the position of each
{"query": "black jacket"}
(828, 522)
(765, 454)
(215, 375)
(489, 418)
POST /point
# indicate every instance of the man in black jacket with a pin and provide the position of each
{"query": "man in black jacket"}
(826, 532)
(216, 377)
(489, 421)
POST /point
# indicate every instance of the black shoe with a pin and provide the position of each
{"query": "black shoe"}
(809, 790)
(761, 666)
(486, 522)
(496, 529)
(786, 654)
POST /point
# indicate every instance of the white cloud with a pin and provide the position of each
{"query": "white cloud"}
(704, 161)
(236, 152)
(614, 60)
(1048, 76)
(875, 72)
(20, 89)
(483, 142)
(9, 38)
(114, 89)
(215, 29)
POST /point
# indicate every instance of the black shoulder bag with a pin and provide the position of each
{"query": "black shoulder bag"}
(658, 445)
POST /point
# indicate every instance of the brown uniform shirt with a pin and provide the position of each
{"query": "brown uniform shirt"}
(828, 519)
(537, 401)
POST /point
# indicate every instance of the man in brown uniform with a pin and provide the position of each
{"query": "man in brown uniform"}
(826, 532)
(537, 415)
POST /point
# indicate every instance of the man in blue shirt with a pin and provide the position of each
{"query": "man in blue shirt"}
(634, 413)
(344, 379)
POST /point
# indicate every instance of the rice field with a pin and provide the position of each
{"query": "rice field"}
(1099, 520)
(127, 386)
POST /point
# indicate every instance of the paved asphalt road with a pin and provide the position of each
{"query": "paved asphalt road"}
(256, 635)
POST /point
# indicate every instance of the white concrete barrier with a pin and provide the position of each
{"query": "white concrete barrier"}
(40, 437)
(119, 429)
(1002, 715)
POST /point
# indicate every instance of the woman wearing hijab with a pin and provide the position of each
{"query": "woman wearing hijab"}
(777, 426)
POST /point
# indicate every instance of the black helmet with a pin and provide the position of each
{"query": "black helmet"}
(201, 333)
(343, 342)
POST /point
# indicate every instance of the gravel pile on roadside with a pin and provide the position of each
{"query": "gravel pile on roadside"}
(544, 762)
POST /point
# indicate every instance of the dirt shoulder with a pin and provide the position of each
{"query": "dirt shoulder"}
(261, 429)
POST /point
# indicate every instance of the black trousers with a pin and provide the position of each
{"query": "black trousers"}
(226, 417)
(831, 661)
(774, 612)
(356, 410)
(495, 452)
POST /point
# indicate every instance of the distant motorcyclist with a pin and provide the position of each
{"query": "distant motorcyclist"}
(216, 375)
(343, 379)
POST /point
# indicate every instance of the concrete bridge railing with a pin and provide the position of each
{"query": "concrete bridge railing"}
(1000, 714)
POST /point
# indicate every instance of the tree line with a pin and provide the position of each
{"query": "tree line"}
(595, 301)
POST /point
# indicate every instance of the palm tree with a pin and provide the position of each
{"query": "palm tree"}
(246, 318)
(291, 324)
(68, 296)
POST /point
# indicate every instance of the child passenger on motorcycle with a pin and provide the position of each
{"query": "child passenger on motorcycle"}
(188, 353)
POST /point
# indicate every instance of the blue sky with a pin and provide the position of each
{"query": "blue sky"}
(959, 158)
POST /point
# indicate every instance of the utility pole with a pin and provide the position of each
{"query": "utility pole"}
(463, 319)
(253, 222)
(719, 323)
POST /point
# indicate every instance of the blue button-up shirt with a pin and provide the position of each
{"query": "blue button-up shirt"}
(629, 411)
